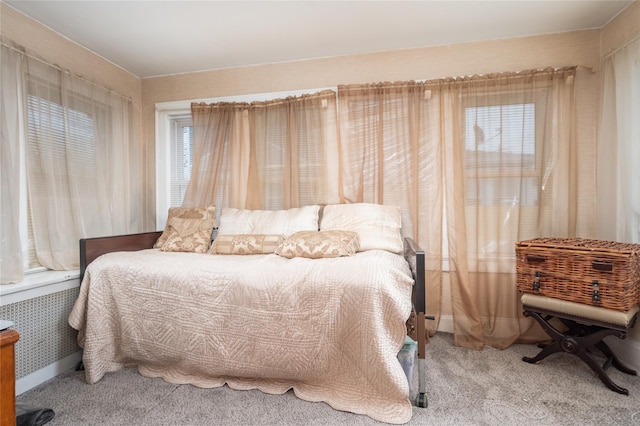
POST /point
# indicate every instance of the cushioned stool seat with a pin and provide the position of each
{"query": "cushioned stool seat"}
(586, 327)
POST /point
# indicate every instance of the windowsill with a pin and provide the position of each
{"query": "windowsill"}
(38, 284)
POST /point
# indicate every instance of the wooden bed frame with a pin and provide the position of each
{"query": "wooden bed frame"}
(91, 248)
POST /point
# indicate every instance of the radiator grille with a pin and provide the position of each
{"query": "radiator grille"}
(45, 335)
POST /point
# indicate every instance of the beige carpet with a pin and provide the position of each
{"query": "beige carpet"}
(464, 387)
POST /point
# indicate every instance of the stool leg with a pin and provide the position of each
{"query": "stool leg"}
(551, 331)
(578, 345)
(593, 337)
(549, 349)
(588, 359)
(544, 323)
(606, 350)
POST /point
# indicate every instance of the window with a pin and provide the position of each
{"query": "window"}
(503, 171)
(54, 134)
(181, 157)
(500, 154)
(69, 148)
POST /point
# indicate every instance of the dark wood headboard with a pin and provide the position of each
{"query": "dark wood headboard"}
(91, 248)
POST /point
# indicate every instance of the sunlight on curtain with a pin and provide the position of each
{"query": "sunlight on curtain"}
(296, 146)
(81, 163)
(391, 149)
(511, 175)
(272, 155)
(11, 123)
(497, 153)
(620, 143)
(213, 127)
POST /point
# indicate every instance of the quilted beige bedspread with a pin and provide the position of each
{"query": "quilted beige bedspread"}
(330, 329)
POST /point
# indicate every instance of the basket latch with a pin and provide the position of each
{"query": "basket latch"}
(595, 297)
(536, 282)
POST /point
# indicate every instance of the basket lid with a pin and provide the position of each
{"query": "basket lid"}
(581, 244)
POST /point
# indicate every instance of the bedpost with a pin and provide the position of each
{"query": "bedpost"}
(415, 258)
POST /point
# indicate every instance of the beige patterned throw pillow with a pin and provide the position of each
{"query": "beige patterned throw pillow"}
(246, 244)
(190, 235)
(320, 244)
(202, 213)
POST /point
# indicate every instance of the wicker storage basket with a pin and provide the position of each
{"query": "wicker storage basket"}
(593, 272)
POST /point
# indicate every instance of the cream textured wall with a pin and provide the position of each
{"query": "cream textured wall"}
(50, 46)
(621, 30)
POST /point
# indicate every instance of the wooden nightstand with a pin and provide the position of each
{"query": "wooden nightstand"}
(8, 338)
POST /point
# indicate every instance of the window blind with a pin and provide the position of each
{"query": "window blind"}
(54, 134)
(181, 157)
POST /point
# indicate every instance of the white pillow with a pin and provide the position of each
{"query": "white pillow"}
(283, 222)
(378, 226)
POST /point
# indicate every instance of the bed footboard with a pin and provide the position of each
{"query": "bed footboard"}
(91, 248)
(415, 258)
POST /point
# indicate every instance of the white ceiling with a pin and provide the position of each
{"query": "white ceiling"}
(152, 38)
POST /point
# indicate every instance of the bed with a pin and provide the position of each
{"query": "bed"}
(315, 299)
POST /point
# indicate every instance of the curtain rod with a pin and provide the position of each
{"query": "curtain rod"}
(22, 51)
(624, 46)
(495, 76)
(584, 67)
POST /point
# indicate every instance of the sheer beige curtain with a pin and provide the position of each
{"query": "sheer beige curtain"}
(619, 154)
(497, 153)
(81, 164)
(265, 155)
(390, 137)
(511, 174)
(219, 172)
(75, 144)
(11, 133)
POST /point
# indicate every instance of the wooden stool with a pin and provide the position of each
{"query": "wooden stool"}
(587, 326)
